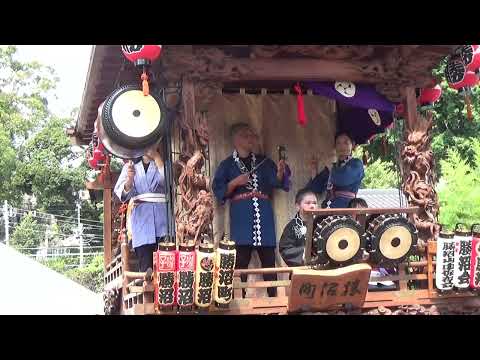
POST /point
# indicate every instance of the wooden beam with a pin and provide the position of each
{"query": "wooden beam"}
(292, 70)
(107, 226)
(411, 107)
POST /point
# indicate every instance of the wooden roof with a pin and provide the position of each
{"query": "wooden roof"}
(389, 67)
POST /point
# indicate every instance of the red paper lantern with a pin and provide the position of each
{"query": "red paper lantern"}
(93, 163)
(99, 153)
(470, 56)
(142, 54)
(458, 77)
(429, 96)
(462, 80)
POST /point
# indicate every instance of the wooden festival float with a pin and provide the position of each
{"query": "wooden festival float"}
(295, 96)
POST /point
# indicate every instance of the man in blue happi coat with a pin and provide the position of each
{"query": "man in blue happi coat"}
(344, 180)
(248, 180)
(143, 182)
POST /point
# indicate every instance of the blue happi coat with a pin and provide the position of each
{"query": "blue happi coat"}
(149, 220)
(243, 215)
(344, 177)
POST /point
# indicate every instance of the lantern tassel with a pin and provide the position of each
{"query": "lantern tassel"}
(365, 157)
(468, 102)
(384, 145)
(302, 118)
(145, 86)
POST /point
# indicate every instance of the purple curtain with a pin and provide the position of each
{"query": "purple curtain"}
(363, 112)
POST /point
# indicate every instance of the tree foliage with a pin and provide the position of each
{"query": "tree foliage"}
(26, 234)
(459, 189)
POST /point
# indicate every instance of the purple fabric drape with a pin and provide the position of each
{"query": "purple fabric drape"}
(363, 112)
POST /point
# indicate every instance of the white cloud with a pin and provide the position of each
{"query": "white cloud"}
(71, 65)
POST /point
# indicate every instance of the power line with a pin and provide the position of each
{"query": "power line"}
(67, 217)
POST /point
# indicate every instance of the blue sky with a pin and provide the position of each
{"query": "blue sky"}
(71, 65)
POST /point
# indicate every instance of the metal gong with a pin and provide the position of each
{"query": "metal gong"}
(339, 240)
(131, 122)
(393, 239)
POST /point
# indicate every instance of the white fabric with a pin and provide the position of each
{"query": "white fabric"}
(151, 197)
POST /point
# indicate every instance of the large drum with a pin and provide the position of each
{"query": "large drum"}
(393, 238)
(131, 122)
(339, 241)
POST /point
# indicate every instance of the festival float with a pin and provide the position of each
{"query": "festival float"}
(296, 97)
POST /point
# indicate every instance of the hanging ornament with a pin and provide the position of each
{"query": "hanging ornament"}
(400, 110)
(460, 79)
(470, 56)
(384, 145)
(142, 56)
(427, 97)
(365, 157)
(302, 118)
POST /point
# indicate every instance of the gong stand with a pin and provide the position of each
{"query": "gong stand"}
(172, 112)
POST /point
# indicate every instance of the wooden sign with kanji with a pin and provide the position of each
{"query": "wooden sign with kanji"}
(317, 290)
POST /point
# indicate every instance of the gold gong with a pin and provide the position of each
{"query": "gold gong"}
(343, 244)
(135, 114)
(395, 242)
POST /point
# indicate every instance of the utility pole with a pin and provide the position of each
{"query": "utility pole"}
(5, 217)
(80, 231)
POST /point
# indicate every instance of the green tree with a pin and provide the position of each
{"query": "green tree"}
(379, 175)
(27, 234)
(90, 276)
(459, 188)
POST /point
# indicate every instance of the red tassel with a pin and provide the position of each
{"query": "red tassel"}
(145, 87)
(302, 118)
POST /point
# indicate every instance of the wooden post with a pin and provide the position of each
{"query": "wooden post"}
(309, 239)
(418, 167)
(431, 251)
(411, 107)
(107, 225)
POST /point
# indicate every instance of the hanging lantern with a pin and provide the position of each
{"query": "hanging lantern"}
(445, 261)
(475, 259)
(470, 56)
(463, 253)
(460, 79)
(164, 264)
(204, 275)
(225, 267)
(185, 276)
(429, 96)
(142, 56)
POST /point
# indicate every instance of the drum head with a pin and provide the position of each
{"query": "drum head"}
(339, 241)
(343, 245)
(393, 239)
(131, 120)
(395, 242)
